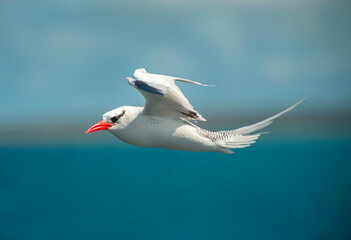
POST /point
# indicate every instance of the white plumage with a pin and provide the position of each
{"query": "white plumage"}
(162, 96)
(164, 122)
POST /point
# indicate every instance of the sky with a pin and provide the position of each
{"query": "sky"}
(68, 60)
(63, 63)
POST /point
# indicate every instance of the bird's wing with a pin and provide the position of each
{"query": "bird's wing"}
(162, 96)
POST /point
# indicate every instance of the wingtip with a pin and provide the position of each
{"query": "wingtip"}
(204, 84)
(140, 70)
(130, 80)
(193, 82)
(201, 119)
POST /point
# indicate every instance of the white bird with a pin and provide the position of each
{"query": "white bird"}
(164, 122)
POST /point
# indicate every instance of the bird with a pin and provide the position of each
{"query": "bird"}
(166, 120)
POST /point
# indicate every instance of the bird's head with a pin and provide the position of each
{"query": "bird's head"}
(109, 120)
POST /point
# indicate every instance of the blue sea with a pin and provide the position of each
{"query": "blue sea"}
(277, 189)
(63, 63)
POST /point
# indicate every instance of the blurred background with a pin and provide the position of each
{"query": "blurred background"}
(64, 63)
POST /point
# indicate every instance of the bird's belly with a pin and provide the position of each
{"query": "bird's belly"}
(172, 136)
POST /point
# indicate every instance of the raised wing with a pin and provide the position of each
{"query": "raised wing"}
(162, 96)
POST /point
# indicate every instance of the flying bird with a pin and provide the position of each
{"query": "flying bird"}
(165, 120)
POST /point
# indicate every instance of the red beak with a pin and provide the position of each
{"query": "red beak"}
(99, 126)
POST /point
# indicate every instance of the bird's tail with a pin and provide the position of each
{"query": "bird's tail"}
(243, 137)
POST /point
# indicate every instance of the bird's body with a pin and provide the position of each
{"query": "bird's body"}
(165, 121)
(159, 132)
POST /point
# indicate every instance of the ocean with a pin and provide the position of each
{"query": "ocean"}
(285, 188)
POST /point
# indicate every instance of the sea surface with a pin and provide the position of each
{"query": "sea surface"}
(296, 188)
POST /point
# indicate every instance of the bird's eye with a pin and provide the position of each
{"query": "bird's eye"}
(114, 119)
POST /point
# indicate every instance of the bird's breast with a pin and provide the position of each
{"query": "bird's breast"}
(160, 133)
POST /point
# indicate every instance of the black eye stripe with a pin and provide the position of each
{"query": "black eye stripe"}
(115, 118)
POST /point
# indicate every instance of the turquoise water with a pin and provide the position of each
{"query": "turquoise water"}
(287, 189)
